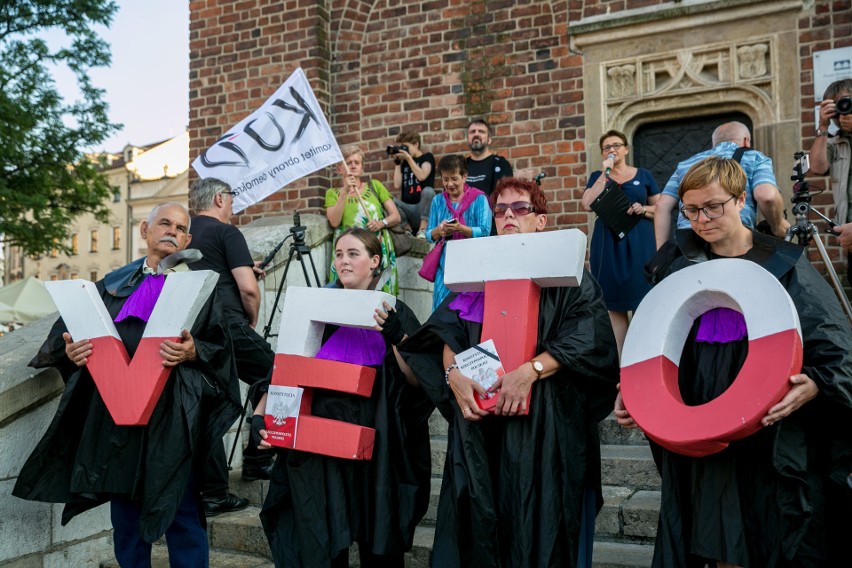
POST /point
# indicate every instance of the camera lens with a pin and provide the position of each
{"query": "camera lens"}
(844, 105)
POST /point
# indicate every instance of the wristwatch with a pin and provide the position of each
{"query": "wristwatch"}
(385, 222)
(538, 367)
(821, 132)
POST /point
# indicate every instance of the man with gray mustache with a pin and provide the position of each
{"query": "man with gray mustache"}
(148, 474)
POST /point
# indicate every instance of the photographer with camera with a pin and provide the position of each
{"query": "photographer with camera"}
(414, 177)
(831, 153)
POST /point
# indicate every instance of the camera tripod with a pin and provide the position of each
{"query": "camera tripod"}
(300, 249)
(805, 231)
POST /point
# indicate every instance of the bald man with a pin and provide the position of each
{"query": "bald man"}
(730, 140)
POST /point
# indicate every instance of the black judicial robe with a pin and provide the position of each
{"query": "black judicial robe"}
(317, 506)
(777, 498)
(84, 458)
(513, 486)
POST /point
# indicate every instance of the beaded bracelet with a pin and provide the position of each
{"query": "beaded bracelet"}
(447, 372)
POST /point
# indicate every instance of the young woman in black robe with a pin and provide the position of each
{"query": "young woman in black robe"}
(318, 506)
(777, 498)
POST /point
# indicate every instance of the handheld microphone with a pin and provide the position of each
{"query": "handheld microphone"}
(609, 168)
(269, 257)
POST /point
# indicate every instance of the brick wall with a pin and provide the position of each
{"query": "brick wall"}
(397, 65)
(384, 65)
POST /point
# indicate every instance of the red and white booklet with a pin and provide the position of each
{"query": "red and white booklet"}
(282, 415)
(482, 364)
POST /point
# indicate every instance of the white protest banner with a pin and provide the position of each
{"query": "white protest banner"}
(285, 139)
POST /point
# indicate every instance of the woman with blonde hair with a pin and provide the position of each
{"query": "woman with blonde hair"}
(363, 204)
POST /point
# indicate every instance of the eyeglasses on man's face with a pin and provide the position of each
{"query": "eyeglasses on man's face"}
(519, 209)
(613, 147)
(231, 193)
(711, 210)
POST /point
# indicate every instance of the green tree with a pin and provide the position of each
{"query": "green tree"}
(45, 179)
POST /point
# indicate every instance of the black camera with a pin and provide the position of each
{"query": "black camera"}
(392, 150)
(843, 105)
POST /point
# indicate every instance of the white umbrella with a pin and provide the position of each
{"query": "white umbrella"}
(25, 301)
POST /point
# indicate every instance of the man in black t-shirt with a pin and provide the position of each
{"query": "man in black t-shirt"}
(484, 167)
(225, 251)
(414, 177)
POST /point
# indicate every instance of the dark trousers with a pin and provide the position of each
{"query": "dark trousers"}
(254, 358)
(186, 537)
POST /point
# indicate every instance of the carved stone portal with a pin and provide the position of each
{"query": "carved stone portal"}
(732, 66)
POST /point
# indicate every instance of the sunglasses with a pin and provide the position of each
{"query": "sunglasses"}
(519, 208)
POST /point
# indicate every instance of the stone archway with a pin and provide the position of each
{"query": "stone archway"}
(668, 67)
(659, 146)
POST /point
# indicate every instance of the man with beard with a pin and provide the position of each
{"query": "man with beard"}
(520, 490)
(147, 473)
(484, 167)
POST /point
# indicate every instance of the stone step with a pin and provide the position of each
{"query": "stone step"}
(254, 491)
(613, 434)
(239, 531)
(237, 539)
(628, 466)
(421, 550)
(628, 514)
(437, 425)
(218, 559)
(439, 456)
(419, 556)
(622, 555)
(621, 466)
(242, 533)
(431, 515)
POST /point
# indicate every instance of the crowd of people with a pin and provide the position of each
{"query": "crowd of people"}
(521, 486)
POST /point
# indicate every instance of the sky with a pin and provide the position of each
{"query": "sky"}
(147, 84)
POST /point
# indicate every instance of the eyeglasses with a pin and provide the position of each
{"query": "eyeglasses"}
(711, 211)
(519, 208)
(615, 147)
(231, 193)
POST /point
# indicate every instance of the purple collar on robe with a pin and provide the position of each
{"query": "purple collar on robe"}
(356, 346)
(141, 302)
(721, 325)
(469, 305)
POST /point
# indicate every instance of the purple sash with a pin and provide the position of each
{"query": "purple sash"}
(469, 305)
(141, 302)
(356, 346)
(721, 325)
